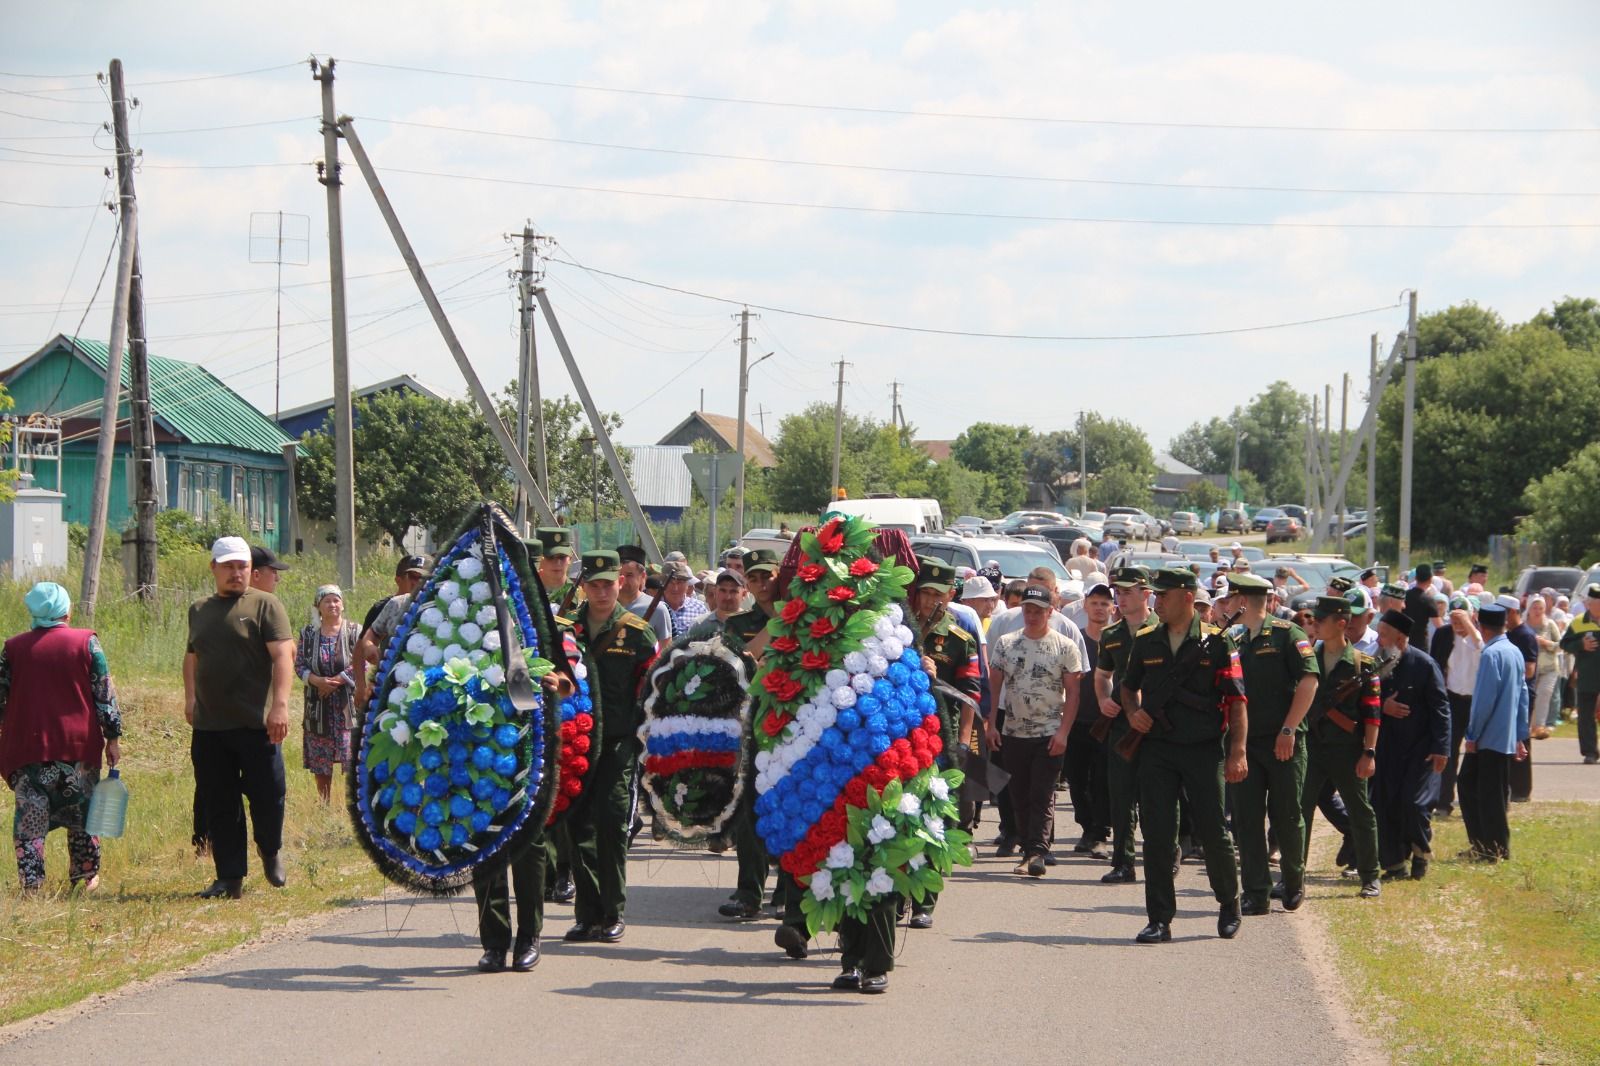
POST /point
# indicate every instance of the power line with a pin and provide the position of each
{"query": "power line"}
(980, 175)
(694, 363)
(975, 116)
(49, 207)
(49, 77)
(979, 334)
(163, 133)
(991, 215)
(56, 121)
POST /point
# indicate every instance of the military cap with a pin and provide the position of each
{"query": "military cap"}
(1249, 585)
(935, 574)
(761, 559)
(1169, 578)
(631, 553)
(1128, 577)
(557, 540)
(1357, 599)
(534, 548)
(1331, 607)
(600, 565)
(1393, 591)
(1340, 584)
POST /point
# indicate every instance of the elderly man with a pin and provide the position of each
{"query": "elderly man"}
(683, 607)
(58, 712)
(1080, 565)
(633, 596)
(1497, 735)
(1413, 746)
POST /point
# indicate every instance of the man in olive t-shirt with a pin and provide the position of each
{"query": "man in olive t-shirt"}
(237, 673)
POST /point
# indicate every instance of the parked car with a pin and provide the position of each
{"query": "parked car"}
(1064, 536)
(1187, 523)
(765, 538)
(1231, 520)
(1092, 518)
(1017, 519)
(1283, 528)
(1125, 527)
(1315, 569)
(1200, 549)
(1151, 527)
(1567, 579)
(1258, 523)
(1015, 557)
(1296, 512)
(970, 523)
(1155, 560)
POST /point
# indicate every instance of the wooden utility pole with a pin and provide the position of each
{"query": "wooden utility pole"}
(1344, 423)
(344, 464)
(838, 434)
(1372, 462)
(738, 446)
(105, 446)
(894, 404)
(524, 377)
(1406, 429)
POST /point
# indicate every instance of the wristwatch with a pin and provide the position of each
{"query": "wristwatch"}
(1371, 753)
(1286, 732)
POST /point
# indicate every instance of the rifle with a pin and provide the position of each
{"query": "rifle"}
(1157, 699)
(1347, 688)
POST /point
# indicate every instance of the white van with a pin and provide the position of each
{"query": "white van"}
(910, 516)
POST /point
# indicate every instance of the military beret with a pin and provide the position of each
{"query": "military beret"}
(1331, 607)
(1249, 585)
(761, 559)
(935, 574)
(557, 540)
(600, 565)
(1169, 578)
(631, 553)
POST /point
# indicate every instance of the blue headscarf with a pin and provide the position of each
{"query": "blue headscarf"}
(48, 603)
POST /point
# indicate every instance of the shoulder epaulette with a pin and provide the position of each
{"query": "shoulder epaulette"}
(1280, 623)
(1148, 627)
(633, 621)
(564, 622)
(957, 631)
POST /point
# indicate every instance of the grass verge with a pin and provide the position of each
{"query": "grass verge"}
(1483, 963)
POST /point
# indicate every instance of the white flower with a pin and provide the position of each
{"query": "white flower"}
(579, 668)
(449, 591)
(903, 635)
(877, 665)
(680, 793)
(454, 651)
(397, 696)
(485, 616)
(459, 609)
(862, 683)
(470, 632)
(896, 615)
(822, 885)
(835, 678)
(880, 883)
(884, 628)
(841, 856)
(476, 656)
(468, 567)
(432, 656)
(431, 617)
(918, 861)
(404, 672)
(491, 640)
(893, 649)
(443, 632)
(479, 592)
(401, 732)
(763, 761)
(855, 662)
(938, 787)
(844, 696)
(494, 675)
(849, 892)
(935, 827)
(692, 685)
(417, 643)
(881, 829)
(910, 805)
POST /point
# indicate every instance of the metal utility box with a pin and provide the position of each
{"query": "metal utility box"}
(33, 533)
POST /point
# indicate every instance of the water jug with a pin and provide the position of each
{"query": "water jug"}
(108, 808)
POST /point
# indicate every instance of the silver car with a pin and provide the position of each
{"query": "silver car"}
(1187, 522)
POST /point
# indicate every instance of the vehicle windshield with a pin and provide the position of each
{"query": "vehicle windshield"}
(1269, 513)
(1015, 563)
(1092, 516)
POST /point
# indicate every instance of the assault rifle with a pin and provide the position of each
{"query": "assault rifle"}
(1347, 688)
(1170, 689)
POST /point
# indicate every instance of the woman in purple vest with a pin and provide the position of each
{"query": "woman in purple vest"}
(58, 709)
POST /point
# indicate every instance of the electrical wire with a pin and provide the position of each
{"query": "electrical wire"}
(167, 133)
(696, 362)
(986, 335)
(48, 207)
(56, 121)
(72, 276)
(116, 234)
(969, 115)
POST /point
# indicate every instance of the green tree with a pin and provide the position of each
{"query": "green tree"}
(1202, 497)
(1124, 486)
(1564, 509)
(1271, 444)
(572, 474)
(804, 452)
(1460, 328)
(996, 451)
(1578, 322)
(1206, 446)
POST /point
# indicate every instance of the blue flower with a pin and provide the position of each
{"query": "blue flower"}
(460, 777)
(458, 835)
(480, 821)
(920, 681)
(847, 720)
(926, 704)
(860, 739)
(460, 806)
(806, 789)
(833, 741)
(386, 798)
(431, 759)
(459, 754)
(433, 814)
(437, 785)
(506, 764)
(869, 705)
(882, 690)
(380, 773)
(429, 839)
(506, 736)
(405, 823)
(877, 724)
(501, 798)
(411, 795)
(404, 773)
(483, 757)
(880, 743)
(482, 788)
(896, 674)
(432, 676)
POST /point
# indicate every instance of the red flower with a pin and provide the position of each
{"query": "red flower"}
(815, 660)
(841, 593)
(775, 680)
(855, 793)
(811, 572)
(822, 627)
(571, 786)
(584, 722)
(773, 724)
(863, 567)
(931, 724)
(568, 731)
(793, 610)
(784, 643)
(829, 539)
(579, 766)
(579, 745)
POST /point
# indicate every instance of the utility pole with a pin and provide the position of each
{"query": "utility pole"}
(1372, 462)
(894, 404)
(1344, 424)
(838, 434)
(761, 416)
(140, 419)
(530, 402)
(744, 389)
(1327, 445)
(100, 499)
(1236, 435)
(1083, 464)
(1404, 560)
(344, 464)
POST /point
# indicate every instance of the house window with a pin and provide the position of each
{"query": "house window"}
(199, 488)
(269, 500)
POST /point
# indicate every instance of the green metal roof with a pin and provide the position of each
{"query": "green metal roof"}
(194, 403)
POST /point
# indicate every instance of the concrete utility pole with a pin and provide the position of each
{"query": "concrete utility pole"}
(838, 434)
(141, 421)
(745, 366)
(1368, 428)
(344, 462)
(1406, 430)
(1371, 443)
(1344, 423)
(1083, 463)
(530, 403)
(100, 498)
(761, 416)
(894, 404)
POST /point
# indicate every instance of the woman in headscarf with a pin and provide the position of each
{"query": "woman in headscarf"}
(323, 660)
(58, 712)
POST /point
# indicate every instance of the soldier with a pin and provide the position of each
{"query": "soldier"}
(950, 654)
(761, 577)
(1183, 691)
(1280, 678)
(554, 564)
(1343, 740)
(1111, 663)
(621, 647)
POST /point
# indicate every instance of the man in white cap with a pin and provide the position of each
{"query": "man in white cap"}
(978, 594)
(237, 674)
(1237, 549)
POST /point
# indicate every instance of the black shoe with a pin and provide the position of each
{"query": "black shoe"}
(1397, 873)
(582, 932)
(1036, 865)
(1419, 867)
(1588, 760)
(1277, 890)
(791, 940)
(1004, 847)
(717, 843)
(1347, 855)
(738, 909)
(1120, 875)
(1154, 933)
(1049, 858)
(611, 932)
(1371, 889)
(272, 868)
(526, 955)
(1229, 921)
(1251, 909)
(565, 891)
(924, 919)
(1292, 901)
(492, 962)
(874, 984)
(231, 888)
(849, 981)
(1084, 846)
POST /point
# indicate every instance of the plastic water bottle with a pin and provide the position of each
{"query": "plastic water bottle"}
(108, 808)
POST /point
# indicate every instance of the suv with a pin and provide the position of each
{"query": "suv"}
(1016, 557)
(1231, 520)
(1296, 512)
(1263, 518)
(1567, 579)
(1187, 522)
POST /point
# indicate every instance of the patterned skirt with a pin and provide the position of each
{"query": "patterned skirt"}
(322, 752)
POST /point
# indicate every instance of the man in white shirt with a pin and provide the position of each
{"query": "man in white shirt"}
(1460, 677)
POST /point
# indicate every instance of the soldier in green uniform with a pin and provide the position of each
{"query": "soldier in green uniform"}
(1116, 643)
(554, 566)
(1343, 741)
(1182, 690)
(761, 577)
(950, 654)
(550, 552)
(1280, 680)
(621, 647)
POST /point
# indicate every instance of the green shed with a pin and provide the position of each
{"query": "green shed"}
(212, 446)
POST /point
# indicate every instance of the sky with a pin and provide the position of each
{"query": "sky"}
(1093, 174)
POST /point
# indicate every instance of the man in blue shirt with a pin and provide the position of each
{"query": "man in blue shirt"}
(1497, 734)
